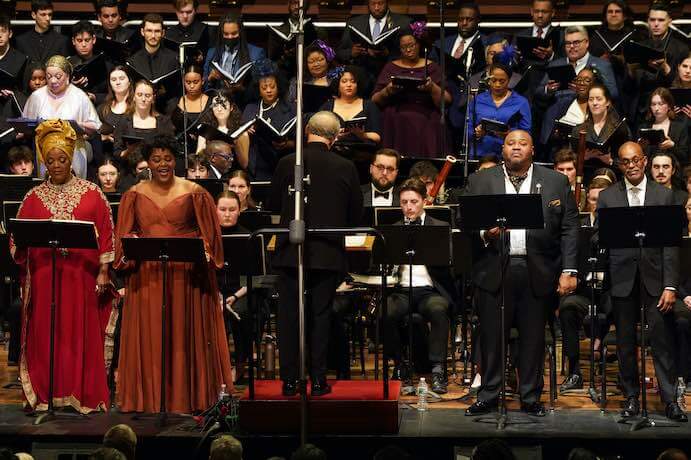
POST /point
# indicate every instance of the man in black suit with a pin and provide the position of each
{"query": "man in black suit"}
(433, 293)
(334, 200)
(663, 170)
(381, 190)
(42, 41)
(658, 271)
(111, 13)
(541, 264)
(380, 19)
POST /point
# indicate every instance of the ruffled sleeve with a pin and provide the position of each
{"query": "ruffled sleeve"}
(209, 227)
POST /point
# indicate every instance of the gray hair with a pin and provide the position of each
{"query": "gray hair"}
(324, 124)
(576, 30)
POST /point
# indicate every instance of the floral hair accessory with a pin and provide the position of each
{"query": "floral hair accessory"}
(326, 49)
(419, 29)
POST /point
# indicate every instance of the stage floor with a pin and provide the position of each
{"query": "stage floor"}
(575, 422)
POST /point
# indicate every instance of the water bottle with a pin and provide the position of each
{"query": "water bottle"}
(223, 394)
(422, 395)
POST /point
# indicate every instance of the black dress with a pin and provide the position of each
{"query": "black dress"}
(177, 117)
(126, 128)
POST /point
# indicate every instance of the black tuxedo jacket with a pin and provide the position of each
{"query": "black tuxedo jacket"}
(334, 199)
(549, 250)
(367, 196)
(361, 23)
(442, 279)
(659, 267)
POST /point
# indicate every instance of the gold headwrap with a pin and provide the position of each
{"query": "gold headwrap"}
(52, 134)
(61, 63)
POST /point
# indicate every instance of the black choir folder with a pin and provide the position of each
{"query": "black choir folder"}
(314, 96)
(28, 125)
(150, 78)
(526, 45)
(233, 78)
(682, 96)
(638, 53)
(494, 127)
(407, 83)
(118, 51)
(211, 133)
(652, 136)
(365, 40)
(94, 69)
(355, 123)
(612, 47)
(564, 74)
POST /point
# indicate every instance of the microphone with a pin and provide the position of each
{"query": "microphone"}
(468, 60)
(538, 186)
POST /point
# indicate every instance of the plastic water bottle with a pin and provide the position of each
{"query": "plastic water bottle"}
(422, 395)
(223, 394)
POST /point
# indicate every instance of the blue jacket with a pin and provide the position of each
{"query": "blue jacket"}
(604, 67)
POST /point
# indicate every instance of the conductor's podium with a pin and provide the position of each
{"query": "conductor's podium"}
(352, 407)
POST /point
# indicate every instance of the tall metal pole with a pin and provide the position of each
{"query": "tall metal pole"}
(442, 86)
(297, 226)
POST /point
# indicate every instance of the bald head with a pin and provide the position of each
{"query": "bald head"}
(323, 126)
(631, 146)
(632, 162)
(518, 151)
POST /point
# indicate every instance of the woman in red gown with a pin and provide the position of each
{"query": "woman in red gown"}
(197, 358)
(83, 306)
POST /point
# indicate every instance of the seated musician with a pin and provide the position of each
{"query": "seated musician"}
(20, 161)
(663, 170)
(573, 308)
(433, 289)
(565, 163)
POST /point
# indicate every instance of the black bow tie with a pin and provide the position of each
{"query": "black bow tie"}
(417, 221)
(378, 194)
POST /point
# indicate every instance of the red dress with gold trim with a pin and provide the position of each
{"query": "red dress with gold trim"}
(81, 315)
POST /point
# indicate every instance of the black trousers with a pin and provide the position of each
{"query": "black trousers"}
(682, 358)
(432, 306)
(242, 329)
(660, 335)
(527, 312)
(321, 288)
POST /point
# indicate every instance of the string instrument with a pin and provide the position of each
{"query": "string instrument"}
(441, 178)
(580, 159)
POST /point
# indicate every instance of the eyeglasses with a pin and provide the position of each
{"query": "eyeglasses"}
(635, 161)
(386, 169)
(574, 43)
(408, 47)
(585, 80)
(225, 156)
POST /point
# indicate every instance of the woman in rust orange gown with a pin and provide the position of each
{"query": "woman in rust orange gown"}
(197, 358)
(83, 305)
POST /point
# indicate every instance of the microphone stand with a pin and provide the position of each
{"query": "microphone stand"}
(181, 58)
(297, 226)
(442, 83)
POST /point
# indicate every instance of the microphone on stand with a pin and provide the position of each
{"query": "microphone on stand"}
(468, 60)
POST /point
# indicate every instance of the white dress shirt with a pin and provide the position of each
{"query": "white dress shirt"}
(421, 276)
(382, 201)
(581, 63)
(545, 30)
(466, 43)
(518, 236)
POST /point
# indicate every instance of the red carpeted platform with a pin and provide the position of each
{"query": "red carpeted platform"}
(353, 406)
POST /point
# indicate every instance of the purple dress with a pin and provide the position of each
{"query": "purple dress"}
(410, 120)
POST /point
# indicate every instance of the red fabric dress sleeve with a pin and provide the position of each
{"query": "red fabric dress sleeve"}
(124, 228)
(104, 226)
(209, 227)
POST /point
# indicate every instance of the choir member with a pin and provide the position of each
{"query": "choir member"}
(36, 74)
(220, 155)
(540, 262)
(349, 103)
(117, 104)
(499, 104)
(108, 176)
(61, 99)
(335, 201)
(110, 14)
(676, 132)
(12, 90)
(458, 45)
(20, 161)
(319, 57)
(197, 357)
(658, 271)
(236, 311)
(83, 304)
(225, 116)
(371, 59)
(408, 112)
(565, 162)
(664, 169)
(542, 12)
(683, 81)
(577, 49)
(189, 27)
(433, 294)
(197, 166)
(42, 41)
(12, 61)
(239, 182)
(187, 110)
(83, 41)
(142, 121)
(265, 150)
(135, 170)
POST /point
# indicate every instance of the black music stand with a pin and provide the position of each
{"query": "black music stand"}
(639, 227)
(244, 256)
(412, 245)
(53, 234)
(482, 212)
(164, 250)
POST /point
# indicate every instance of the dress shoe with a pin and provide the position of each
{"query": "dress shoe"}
(320, 387)
(481, 407)
(631, 407)
(674, 412)
(535, 409)
(400, 372)
(572, 382)
(290, 387)
(439, 383)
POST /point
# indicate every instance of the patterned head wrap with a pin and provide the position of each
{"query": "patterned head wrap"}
(61, 63)
(55, 134)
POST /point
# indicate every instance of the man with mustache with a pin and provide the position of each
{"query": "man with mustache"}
(663, 169)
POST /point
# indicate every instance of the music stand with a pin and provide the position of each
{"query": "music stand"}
(482, 212)
(164, 250)
(413, 245)
(53, 234)
(639, 227)
(244, 256)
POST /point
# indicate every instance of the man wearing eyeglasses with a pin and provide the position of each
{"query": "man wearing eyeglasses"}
(658, 270)
(220, 159)
(576, 46)
(383, 172)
